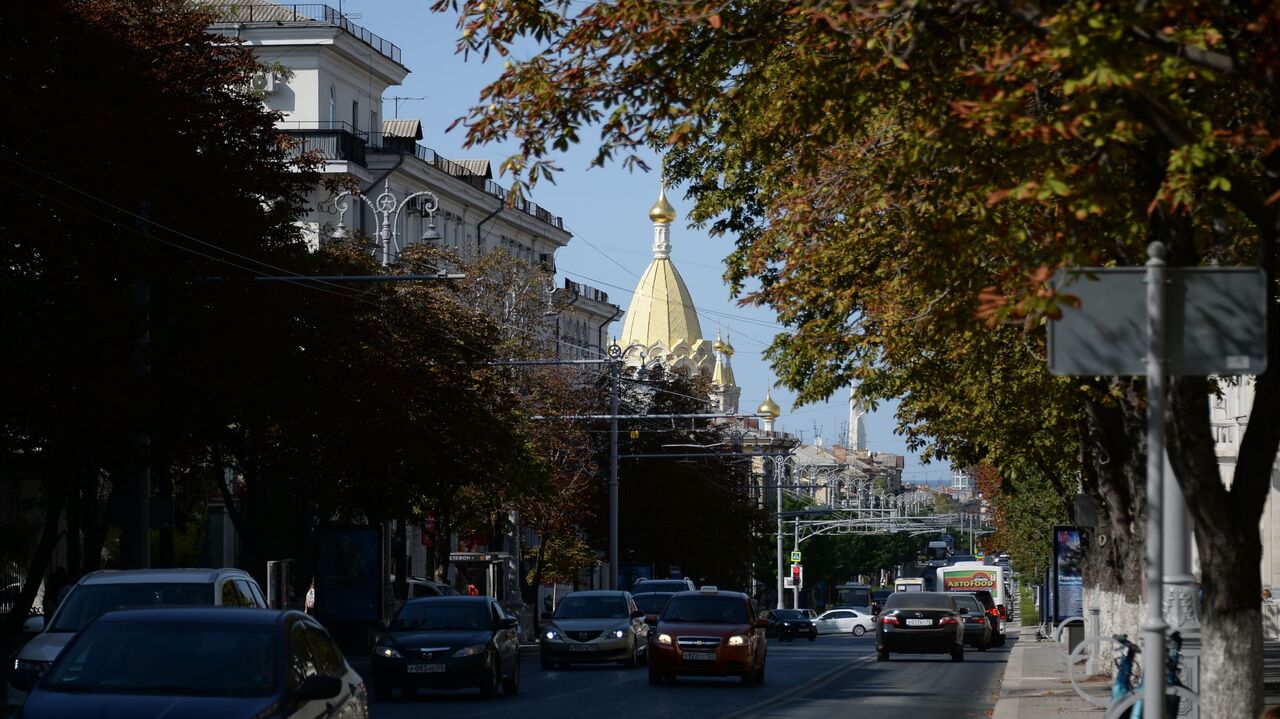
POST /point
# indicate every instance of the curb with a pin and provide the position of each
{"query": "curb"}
(1008, 707)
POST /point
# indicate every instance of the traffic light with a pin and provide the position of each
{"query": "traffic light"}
(795, 574)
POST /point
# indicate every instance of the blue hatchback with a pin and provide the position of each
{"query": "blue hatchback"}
(198, 662)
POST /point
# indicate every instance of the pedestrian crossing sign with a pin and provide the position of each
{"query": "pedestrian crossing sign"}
(795, 557)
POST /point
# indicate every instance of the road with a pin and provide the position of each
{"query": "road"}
(834, 676)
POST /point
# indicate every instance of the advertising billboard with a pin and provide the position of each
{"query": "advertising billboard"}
(349, 574)
(1067, 583)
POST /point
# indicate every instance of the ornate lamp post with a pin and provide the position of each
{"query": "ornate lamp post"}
(387, 206)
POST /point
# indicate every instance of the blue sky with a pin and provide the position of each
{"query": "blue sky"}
(607, 211)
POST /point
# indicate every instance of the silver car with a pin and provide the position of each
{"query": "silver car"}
(594, 626)
(97, 592)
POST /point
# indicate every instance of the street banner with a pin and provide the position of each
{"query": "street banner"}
(1068, 578)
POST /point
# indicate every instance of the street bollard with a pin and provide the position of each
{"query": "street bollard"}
(1091, 665)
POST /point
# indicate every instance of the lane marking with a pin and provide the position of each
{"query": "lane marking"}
(815, 683)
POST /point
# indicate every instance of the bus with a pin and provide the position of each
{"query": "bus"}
(853, 596)
(908, 584)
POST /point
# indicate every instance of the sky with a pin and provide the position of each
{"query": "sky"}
(606, 209)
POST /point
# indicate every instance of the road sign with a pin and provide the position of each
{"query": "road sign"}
(1215, 322)
(795, 557)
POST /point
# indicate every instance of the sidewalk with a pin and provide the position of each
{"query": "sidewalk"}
(1036, 685)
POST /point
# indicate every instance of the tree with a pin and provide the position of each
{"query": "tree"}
(890, 169)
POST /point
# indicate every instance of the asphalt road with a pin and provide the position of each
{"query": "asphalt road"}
(832, 677)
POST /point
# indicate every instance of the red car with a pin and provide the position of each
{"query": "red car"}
(708, 633)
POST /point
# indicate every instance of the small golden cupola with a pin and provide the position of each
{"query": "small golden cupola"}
(768, 407)
(662, 212)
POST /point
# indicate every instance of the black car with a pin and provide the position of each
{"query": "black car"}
(878, 598)
(920, 622)
(447, 643)
(652, 603)
(994, 616)
(977, 623)
(196, 663)
(787, 624)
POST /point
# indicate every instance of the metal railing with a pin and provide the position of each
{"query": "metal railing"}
(276, 13)
(328, 140)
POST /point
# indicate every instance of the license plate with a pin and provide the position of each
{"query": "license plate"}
(583, 647)
(700, 656)
(425, 668)
(919, 622)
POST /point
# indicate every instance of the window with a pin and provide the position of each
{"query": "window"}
(355, 114)
(333, 105)
(231, 595)
(253, 597)
(327, 657)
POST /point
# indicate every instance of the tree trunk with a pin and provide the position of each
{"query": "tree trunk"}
(12, 626)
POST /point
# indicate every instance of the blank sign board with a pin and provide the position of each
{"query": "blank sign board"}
(1215, 322)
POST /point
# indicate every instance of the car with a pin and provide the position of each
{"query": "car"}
(651, 603)
(447, 643)
(648, 586)
(199, 663)
(994, 616)
(877, 599)
(594, 626)
(788, 624)
(419, 587)
(920, 622)
(708, 633)
(845, 621)
(97, 592)
(977, 623)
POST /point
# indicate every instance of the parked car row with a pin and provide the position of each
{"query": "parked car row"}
(187, 642)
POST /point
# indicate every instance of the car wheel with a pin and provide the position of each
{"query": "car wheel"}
(859, 630)
(489, 686)
(882, 655)
(957, 654)
(511, 686)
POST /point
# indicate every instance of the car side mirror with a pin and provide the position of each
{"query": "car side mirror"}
(637, 614)
(318, 687)
(508, 623)
(33, 625)
(762, 623)
(24, 679)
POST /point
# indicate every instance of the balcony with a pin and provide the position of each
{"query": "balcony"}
(334, 141)
(296, 14)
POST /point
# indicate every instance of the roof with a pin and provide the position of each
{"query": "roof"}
(410, 128)
(596, 593)
(456, 598)
(661, 309)
(152, 576)
(204, 615)
(476, 167)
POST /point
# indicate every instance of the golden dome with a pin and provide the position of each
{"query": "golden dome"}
(661, 309)
(728, 347)
(662, 211)
(769, 407)
(719, 345)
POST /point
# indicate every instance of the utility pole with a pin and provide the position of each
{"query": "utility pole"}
(139, 545)
(777, 483)
(1154, 626)
(614, 369)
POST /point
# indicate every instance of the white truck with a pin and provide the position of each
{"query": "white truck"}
(971, 576)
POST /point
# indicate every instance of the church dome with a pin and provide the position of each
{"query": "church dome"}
(769, 407)
(661, 309)
(662, 211)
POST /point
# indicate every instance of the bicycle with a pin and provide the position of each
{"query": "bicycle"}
(1126, 694)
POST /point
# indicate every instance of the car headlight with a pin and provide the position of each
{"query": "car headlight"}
(552, 634)
(737, 641)
(786, 624)
(664, 639)
(386, 652)
(617, 634)
(471, 651)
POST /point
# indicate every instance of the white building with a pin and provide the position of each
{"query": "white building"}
(1228, 419)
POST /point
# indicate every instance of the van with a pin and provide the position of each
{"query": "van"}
(909, 584)
(98, 592)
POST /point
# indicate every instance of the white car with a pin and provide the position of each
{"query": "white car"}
(845, 621)
(98, 592)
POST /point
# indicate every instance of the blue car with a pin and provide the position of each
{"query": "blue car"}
(197, 663)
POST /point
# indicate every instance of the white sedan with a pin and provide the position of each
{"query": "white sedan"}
(845, 621)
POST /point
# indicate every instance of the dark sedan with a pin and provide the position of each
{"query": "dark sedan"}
(787, 624)
(920, 622)
(447, 643)
(977, 627)
(197, 663)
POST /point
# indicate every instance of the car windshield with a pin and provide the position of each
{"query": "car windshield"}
(651, 603)
(169, 658)
(88, 601)
(706, 610)
(788, 614)
(661, 585)
(441, 616)
(592, 607)
(919, 600)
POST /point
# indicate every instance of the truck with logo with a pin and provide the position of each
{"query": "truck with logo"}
(972, 576)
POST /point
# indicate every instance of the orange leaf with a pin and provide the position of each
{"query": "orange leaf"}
(714, 21)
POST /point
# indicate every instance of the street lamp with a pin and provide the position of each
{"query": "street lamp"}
(386, 206)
